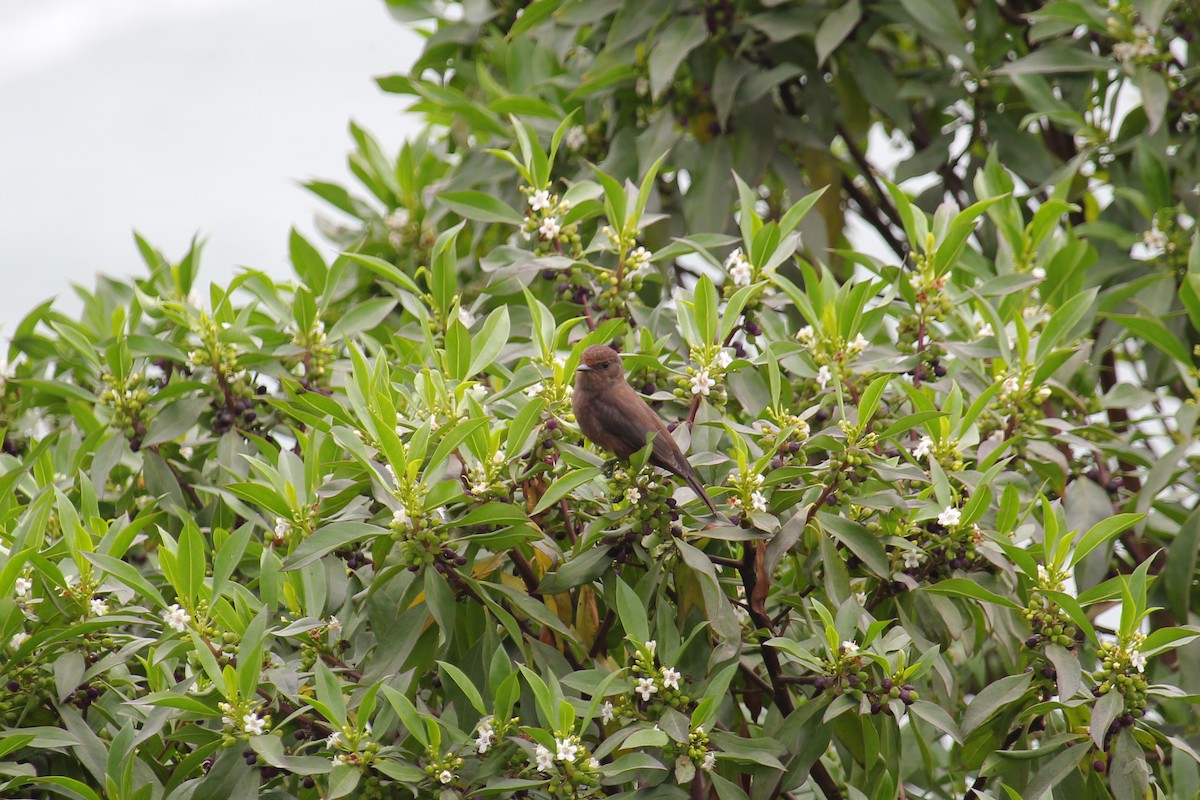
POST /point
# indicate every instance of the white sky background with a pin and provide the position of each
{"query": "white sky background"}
(173, 117)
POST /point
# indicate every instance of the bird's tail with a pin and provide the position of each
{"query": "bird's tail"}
(696, 486)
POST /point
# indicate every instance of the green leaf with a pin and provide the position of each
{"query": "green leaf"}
(961, 587)
(1156, 333)
(481, 207)
(565, 485)
(632, 613)
(1055, 60)
(835, 27)
(491, 340)
(327, 539)
(464, 684)
(682, 35)
(1102, 532)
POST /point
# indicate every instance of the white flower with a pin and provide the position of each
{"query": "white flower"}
(913, 559)
(923, 448)
(282, 528)
(593, 763)
(253, 724)
(1137, 660)
(652, 646)
(534, 390)
(849, 647)
(723, 360)
(18, 639)
(177, 618)
(465, 317)
(642, 86)
(543, 759)
(98, 607)
(1038, 273)
(575, 138)
(824, 376)
(23, 586)
(645, 687)
(397, 219)
(606, 712)
(1043, 392)
(539, 200)
(950, 517)
(186, 452)
(1043, 574)
(632, 494)
(860, 343)
(567, 750)
(1011, 386)
(550, 228)
(758, 502)
(484, 740)
(701, 383)
(1144, 47)
(985, 330)
(445, 776)
(334, 740)
(710, 761)
(499, 457)
(480, 489)
(340, 759)
(670, 678)
(915, 281)
(740, 270)
(399, 517)
(806, 335)
(334, 625)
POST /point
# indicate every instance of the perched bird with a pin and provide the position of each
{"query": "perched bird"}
(615, 417)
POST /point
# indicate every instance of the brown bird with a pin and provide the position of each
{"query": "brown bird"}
(615, 417)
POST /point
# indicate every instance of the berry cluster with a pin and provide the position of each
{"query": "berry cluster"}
(646, 507)
(30, 692)
(1050, 624)
(316, 354)
(423, 541)
(127, 399)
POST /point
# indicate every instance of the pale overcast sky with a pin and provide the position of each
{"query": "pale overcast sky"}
(177, 116)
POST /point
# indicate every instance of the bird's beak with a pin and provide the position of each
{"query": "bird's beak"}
(583, 368)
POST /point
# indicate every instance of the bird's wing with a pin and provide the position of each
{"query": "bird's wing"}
(629, 420)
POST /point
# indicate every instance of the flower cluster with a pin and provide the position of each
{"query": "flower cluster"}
(485, 479)
(1137, 45)
(654, 685)
(748, 494)
(544, 222)
(242, 720)
(697, 753)
(830, 352)
(944, 451)
(708, 379)
(571, 769)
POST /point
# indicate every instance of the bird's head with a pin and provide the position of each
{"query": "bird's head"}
(599, 368)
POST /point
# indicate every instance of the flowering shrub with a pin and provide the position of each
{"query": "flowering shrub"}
(340, 535)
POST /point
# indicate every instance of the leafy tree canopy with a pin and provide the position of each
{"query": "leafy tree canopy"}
(340, 535)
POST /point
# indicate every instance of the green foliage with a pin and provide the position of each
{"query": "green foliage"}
(340, 536)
